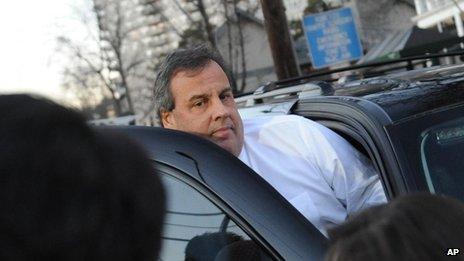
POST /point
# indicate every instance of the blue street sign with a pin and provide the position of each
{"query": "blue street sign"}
(332, 37)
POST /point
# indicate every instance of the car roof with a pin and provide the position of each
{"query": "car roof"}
(400, 95)
(407, 94)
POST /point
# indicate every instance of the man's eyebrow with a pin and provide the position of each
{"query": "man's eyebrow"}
(202, 96)
(227, 89)
(198, 96)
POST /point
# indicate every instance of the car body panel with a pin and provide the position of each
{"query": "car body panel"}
(411, 93)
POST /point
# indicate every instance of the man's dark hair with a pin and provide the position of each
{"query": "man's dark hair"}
(414, 227)
(192, 59)
(68, 192)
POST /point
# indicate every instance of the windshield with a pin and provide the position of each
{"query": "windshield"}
(442, 158)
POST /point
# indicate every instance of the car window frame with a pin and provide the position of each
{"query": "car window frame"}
(365, 142)
(355, 115)
(344, 129)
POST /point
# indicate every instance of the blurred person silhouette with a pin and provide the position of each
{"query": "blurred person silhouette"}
(419, 226)
(68, 192)
(223, 246)
(244, 250)
(205, 247)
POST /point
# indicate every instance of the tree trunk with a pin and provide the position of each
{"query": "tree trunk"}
(127, 94)
(278, 35)
(117, 44)
(117, 106)
(229, 33)
(208, 27)
(242, 48)
(229, 48)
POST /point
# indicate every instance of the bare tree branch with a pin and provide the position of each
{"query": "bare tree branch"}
(187, 14)
(208, 27)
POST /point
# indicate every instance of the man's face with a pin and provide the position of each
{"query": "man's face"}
(204, 105)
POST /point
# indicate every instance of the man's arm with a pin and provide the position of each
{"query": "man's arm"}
(348, 172)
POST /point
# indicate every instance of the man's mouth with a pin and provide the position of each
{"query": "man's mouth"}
(223, 132)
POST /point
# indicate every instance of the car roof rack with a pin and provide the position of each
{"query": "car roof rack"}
(409, 60)
(303, 86)
(273, 90)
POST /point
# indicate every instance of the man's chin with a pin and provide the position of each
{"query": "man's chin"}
(227, 145)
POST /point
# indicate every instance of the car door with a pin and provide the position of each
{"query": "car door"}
(231, 190)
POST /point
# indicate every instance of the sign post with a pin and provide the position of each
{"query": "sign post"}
(332, 37)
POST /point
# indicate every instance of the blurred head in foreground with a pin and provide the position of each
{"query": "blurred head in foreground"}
(413, 227)
(68, 192)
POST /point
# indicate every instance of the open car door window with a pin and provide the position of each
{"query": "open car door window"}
(362, 130)
(196, 229)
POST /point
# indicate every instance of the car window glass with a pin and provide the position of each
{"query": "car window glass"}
(196, 229)
(443, 159)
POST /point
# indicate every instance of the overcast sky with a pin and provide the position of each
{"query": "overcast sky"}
(27, 59)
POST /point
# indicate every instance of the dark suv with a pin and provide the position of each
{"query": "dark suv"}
(410, 124)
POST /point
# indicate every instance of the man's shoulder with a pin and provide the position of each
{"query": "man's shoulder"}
(291, 128)
(277, 122)
(269, 120)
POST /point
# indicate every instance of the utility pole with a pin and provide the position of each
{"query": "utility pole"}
(280, 42)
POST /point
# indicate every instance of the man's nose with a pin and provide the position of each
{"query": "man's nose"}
(220, 110)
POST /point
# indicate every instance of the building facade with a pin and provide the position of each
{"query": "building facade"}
(259, 67)
(439, 13)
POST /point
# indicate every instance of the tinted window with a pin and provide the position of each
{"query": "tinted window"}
(196, 229)
(442, 156)
(430, 151)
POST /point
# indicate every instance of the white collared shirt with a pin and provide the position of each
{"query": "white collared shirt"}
(316, 170)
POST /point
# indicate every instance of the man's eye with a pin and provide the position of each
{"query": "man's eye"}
(226, 96)
(199, 103)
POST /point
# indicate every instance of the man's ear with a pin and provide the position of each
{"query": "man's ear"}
(167, 118)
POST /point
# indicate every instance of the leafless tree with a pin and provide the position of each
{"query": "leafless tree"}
(228, 24)
(87, 71)
(209, 28)
(113, 62)
(242, 47)
(198, 31)
(85, 89)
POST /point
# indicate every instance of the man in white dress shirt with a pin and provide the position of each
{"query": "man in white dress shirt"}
(316, 170)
